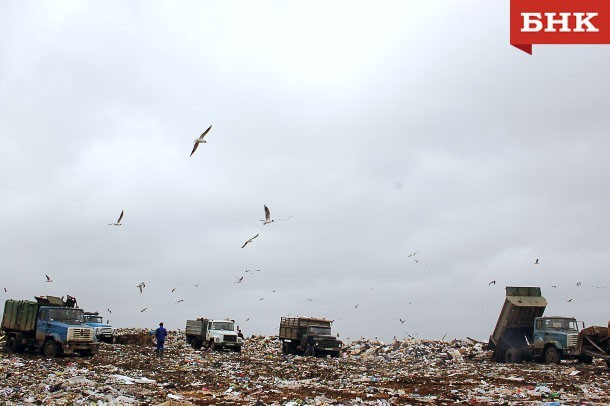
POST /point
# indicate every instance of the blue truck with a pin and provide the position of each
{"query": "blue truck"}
(48, 325)
(523, 334)
(103, 331)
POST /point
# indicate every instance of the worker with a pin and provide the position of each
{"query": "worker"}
(160, 334)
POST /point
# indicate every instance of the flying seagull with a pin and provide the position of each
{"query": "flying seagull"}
(240, 279)
(200, 140)
(578, 284)
(118, 222)
(569, 300)
(355, 307)
(412, 255)
(180, 301)
(554, 286)
(141, 286)
(402, 321)
(249, 241)
(253, 270)
(5, 290)
(536, 263)
(173, 290)
(261, 298)
(143, 310)
(48, 279)
(109, 311)
(492, 283)
(267, 219)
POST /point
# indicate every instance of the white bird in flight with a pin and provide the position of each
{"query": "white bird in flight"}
(118, 222)
(48, 279)
(240, 279)
(200, 140)
(267, 219)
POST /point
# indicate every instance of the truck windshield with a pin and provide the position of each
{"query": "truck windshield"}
(320, 330)
(70, 316)
(560, 324)
(222, 325)
(94, 319)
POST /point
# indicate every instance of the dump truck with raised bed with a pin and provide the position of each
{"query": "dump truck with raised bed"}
(103, 331)
(295, 332)
(521, 333)
(48, 325)
(214, 334)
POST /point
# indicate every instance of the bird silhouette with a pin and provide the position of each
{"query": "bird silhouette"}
(143, 310)
(118, 222)
(402, 321)
(200, 140)
(142, 285)
(569, 300)
(536, 263)
(240, 279)
(109, 311)
(578, 284)
(173, 290)
(253, 270)
(412, 255)
(249, 241)
(355, 307)
(48, 278)
(492, 283)
(180, 301)
(262, 298)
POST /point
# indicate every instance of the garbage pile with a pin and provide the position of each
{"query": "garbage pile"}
(368, 372)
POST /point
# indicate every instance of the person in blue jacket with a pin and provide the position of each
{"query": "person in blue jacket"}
(160, 334)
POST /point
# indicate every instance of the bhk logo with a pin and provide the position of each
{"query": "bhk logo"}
(559, 22)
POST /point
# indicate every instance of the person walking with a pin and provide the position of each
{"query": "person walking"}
(160, 334)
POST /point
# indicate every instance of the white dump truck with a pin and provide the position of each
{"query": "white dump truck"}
(214, 334)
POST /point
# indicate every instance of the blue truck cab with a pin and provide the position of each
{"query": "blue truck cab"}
(555, 338)
(103, 332)
(47, 325)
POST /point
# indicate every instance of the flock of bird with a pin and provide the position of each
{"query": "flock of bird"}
(267, 220)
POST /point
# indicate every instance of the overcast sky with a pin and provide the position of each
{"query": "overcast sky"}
(383, 128)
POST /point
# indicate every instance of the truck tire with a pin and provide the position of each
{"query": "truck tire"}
(513, 356)
(50, 348)
(551, 356)
(11, 345)
(335, 354)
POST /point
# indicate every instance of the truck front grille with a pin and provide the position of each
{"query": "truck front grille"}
(230, 339)
(328, 343)
(105, 331)
(572, 340)
(80, 334)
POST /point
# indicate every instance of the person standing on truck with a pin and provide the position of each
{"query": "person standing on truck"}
(239, 333)
(160, 334)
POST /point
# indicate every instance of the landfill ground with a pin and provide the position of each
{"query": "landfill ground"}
(409, 372)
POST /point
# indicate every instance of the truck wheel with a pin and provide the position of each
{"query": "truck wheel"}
(335, 354)
(551, 356)
(11, 345)
(50, 349)
(513, 356)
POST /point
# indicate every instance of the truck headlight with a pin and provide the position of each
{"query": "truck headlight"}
(97, 331)
(216, 339)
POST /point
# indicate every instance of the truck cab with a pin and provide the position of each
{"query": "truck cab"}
(103, 332)
(558, 332)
